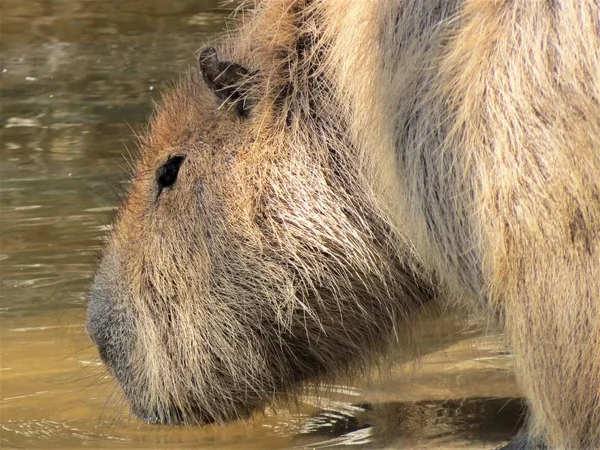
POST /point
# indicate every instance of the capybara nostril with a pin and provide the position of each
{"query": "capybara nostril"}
(109, 325)
(98, 327)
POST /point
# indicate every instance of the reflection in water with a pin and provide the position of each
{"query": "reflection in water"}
(54, 392)
(78, 79)
(407, 425)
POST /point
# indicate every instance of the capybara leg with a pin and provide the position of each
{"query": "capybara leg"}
(552, 318)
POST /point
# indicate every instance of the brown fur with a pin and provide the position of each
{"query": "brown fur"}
(464, 132)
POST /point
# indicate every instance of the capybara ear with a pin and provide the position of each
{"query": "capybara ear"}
(228, 80)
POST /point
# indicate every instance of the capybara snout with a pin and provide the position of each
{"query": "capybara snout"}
(106, 325)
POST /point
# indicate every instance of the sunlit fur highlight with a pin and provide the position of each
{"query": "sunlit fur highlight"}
(465, 132)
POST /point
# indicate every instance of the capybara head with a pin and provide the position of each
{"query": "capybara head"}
(251, 253)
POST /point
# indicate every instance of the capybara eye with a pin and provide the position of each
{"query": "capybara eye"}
(166, 175)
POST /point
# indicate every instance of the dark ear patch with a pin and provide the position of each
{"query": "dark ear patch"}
(227, 80)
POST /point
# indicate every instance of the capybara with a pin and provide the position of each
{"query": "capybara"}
(329, 169)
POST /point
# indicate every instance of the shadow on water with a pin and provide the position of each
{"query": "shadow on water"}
(78, 79)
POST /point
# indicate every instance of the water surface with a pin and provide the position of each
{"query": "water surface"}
(78, 78)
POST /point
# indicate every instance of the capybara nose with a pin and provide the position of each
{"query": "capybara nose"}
(98, 326)
(106, 324)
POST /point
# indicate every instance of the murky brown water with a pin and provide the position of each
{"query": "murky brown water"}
(77, 79)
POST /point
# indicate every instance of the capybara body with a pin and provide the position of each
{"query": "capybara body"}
(362, 160)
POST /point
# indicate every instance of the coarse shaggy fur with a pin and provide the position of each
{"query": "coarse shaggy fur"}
(387, 153)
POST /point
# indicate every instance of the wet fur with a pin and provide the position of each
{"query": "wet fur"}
(395, 152)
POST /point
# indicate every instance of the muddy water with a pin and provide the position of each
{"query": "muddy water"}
(77, 79)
